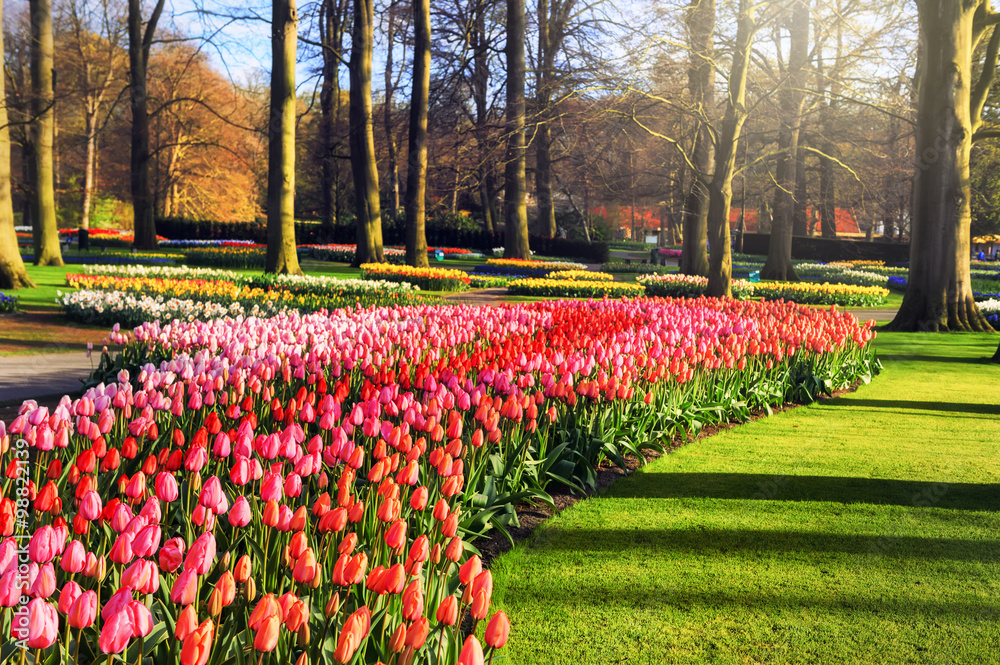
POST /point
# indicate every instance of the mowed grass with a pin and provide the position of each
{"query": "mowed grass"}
(862, 529)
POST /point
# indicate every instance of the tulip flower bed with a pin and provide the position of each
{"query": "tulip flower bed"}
(582, 276)
(639, 268)
(431, 279)
(7, 303)
(572, 288)
(688, 286)
(530, 268)
(822, 294)
(345, 253)
(132, 300)
(237, 256)
(307, 486)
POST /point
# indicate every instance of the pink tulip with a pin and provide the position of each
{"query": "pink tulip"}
(11, 586)
(201, 556)
(116, 633)
(147, 541)
(43, 583)
(121, 551)
(84, 610)
(70, 592)
(240, 514)
(116, 603)
(91, 506)
(172, 554)
(44, 546)
(140, 617)
(270, 487)
(185, 588)
(74, 558)
(166, 487)
(211, 495)
(43, 624)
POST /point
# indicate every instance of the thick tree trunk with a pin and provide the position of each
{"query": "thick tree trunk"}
(938, 294)
(390, 138)
(515, 191)
(13, 274)
(43, 199)
(281, 255)
(139, 43)
(362, 138)
(416, 170)
(779, 255)
(701, 84)
(721, 186)
(331, 37)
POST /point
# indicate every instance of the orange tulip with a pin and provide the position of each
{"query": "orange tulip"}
(198, 644)
(472, 652)
(267, 635)
(447, 611)
(497, 630)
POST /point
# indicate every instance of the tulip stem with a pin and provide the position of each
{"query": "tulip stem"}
(440, 644)
(79, 638)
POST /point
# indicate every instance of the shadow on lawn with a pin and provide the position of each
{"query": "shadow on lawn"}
(703, 540)
(762, 487)
(982, 360)
(957, 407)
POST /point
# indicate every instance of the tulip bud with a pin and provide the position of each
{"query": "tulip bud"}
(302, 636)
(303, 659)
(317, 578)
(436, 554)
(332, 605)
(250, 590)
(225, 561)
(215, 603)
(397, 641)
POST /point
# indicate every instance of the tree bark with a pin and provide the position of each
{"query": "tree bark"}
(721, 186)
(281, 254)
(362, 138)
(13, 274)
(778, 265)
(393, 166)
(800, 212)
(515, 191)
(416, 171)
(332, 39)
(43, 200)
(480, 87)
(543, 134)
(700, 20)
(139, 43)
(939, 294)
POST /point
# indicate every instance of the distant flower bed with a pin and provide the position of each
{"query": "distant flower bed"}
(127, 309)
(688, 286)
(263, 295)
(807, 293)
(838, 273)
(991, 310)
(582, 276)
(242, 257)
(531, 265)
(668, 253)
(138, 258)
(491, 281)
(570, 288)
(7, 303)
(638, 268)
(431, 279)
(207, 243)
(346, 253)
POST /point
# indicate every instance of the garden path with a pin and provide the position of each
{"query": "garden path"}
(36, 376)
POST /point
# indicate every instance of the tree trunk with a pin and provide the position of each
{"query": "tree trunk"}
(779, 255)
(362, 139)
(393, 166)
(800, 212)
(939, 294)
(543, 135)
(827, 195)
(281, 255)
(89, 165)
(416, 170)
(43, 199)
(515, 191)
(331, 37)
(13, 274)
(139, 43)
(721, 186)
(480, 86)
(701, 83)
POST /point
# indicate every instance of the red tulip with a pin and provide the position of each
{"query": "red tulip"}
(413, 601)
(472, 652)
(395, 535)
(240, 514)
(187, 621)
(416, 634)
(447, 611)
(305, 567)
(497, 630)
(470, 569)
(185, 587)
(243, 569)
(266, 637)
(172, 554)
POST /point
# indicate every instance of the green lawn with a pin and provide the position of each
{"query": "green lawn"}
(862, 529)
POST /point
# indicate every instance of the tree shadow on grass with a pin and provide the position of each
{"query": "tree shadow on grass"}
(963, 407)
(982, 360)
(849, 490)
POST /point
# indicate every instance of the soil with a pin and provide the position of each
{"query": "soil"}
(45, 331)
